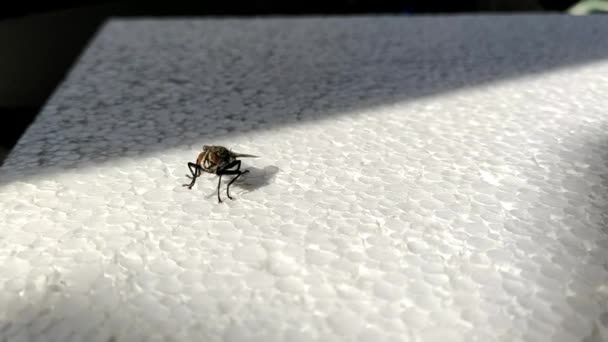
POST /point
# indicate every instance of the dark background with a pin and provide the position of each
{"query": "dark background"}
(41, 41)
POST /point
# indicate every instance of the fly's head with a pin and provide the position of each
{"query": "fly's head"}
(213, 157)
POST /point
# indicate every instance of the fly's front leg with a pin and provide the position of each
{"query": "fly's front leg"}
(195, 170)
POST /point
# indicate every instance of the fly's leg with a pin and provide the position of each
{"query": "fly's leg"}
(224, 171)
(219, 182)
(232, 181)
(195, 170)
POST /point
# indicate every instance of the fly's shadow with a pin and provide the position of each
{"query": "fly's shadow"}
(256, 178)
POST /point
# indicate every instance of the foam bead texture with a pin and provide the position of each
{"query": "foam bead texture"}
(419, 179)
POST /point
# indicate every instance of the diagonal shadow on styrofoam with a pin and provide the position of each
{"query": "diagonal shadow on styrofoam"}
(145, 86)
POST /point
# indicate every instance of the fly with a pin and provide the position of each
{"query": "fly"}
(220, 161)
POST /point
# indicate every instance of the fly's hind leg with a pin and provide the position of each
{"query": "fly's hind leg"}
(232, 181)
(219, 182)
(237, 172)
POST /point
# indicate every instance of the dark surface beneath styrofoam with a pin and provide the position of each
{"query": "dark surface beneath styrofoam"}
(421, 178)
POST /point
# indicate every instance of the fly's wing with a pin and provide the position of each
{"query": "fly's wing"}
(242, 155)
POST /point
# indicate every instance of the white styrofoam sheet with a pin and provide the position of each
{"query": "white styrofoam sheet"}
(420, 179)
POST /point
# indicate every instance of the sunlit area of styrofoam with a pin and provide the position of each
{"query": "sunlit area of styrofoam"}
(474, 214)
